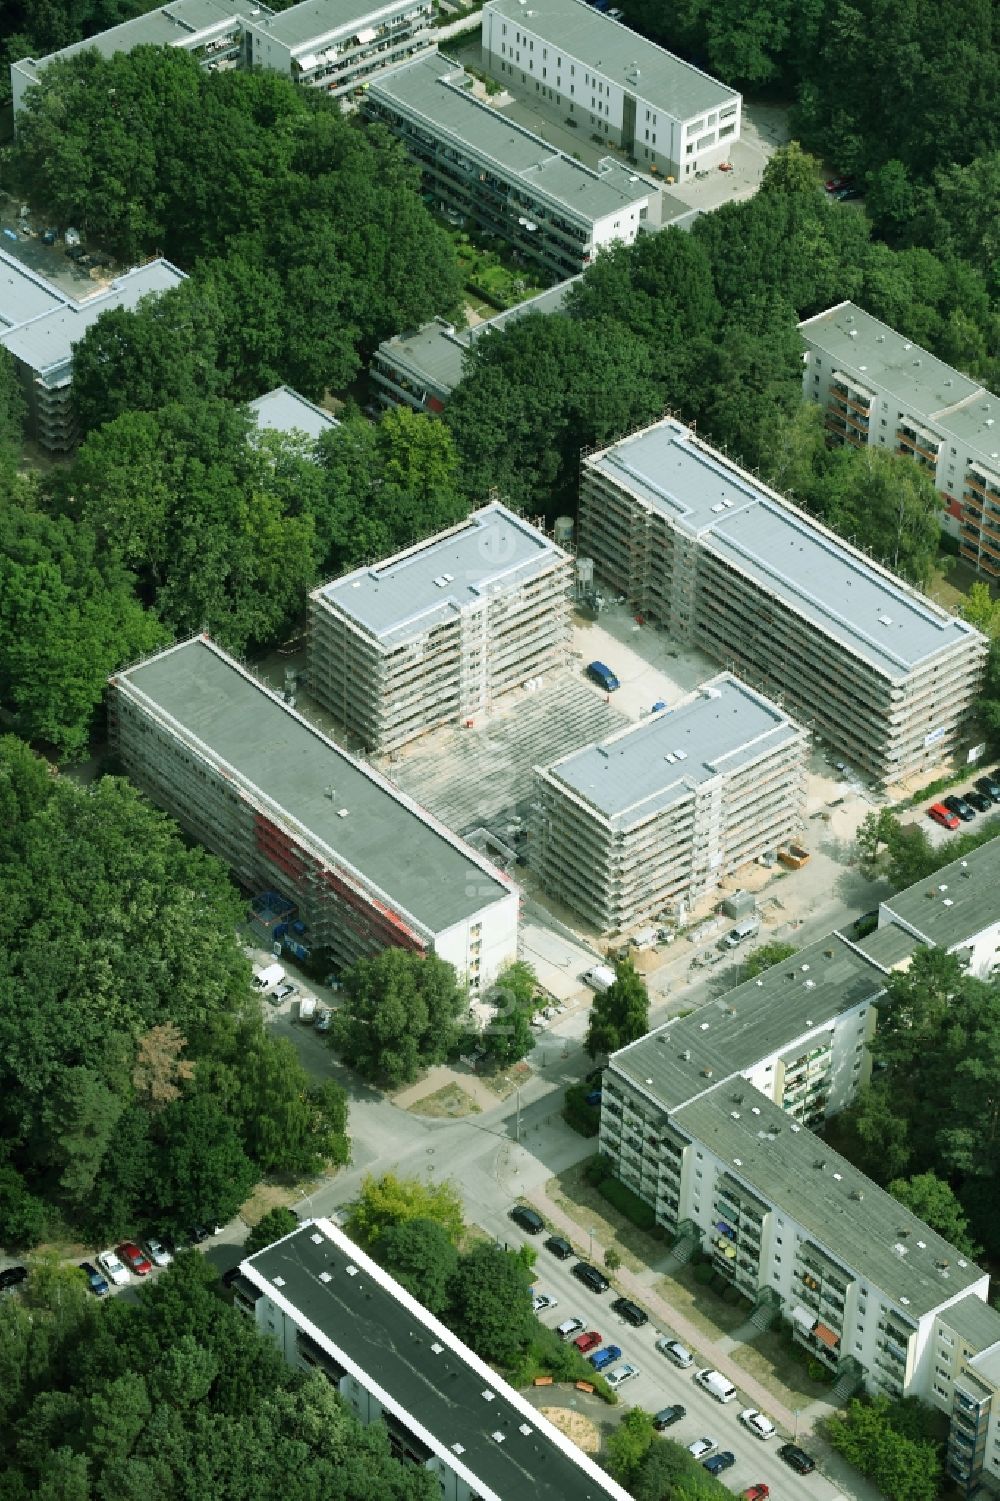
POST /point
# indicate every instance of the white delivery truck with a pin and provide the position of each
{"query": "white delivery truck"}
(307, 1009)
(599, 977)
(267, 978)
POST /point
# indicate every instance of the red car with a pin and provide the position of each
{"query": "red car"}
(834, 184)
(134, 1259)
(944, 816)
(725, 166)
(587, 1342)
(756, 1493)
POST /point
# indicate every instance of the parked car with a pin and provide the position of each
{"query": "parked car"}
(725, 166)
(587, 1342)
(137, 1261)
(759, 1492)
(759, 1425)
(848, 194)
(559, 1247)
(541, 1301)
(630, 1312)
(675, 1351)
(834, 184)
(157, 1252)
(940, 814)
(98, 1285)
(12, 1276)
(990, 786)
(284, 990)
(594, 1097)
(719, 1462)
(569, 1327)
(959, 807)
(324, 1016)
(668, 1416)
(603, 1358)
(603, 677)
(978, 800)
(797, 1458)
(230, 1276)
(109, 1263)
(591, 1277)
(198, 1234)
(621, 1374)
(528, 1219)
(702, 1447)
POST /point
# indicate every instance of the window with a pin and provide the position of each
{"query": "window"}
(545, 72)
(503, 29)
(545, 54)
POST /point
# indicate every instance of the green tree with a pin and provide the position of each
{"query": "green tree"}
(888, 507)
(904, 1469)
(275, 1224)
(490, 1304)
(421, 1255)
(619, 1014)
(763, 958)
(400, 1014)
(202, 1171)
(628, 1445)
(791, 170)
(386, 1202)
(876, 829)
(508, 1037)
(933, 1200)
(982, 610)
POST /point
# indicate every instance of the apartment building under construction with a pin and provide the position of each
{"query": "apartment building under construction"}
(666, 809)
(435, 634)
(886, 676)
(289, 810)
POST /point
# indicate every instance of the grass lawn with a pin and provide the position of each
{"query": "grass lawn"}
(447, 1103)
(768, 1359)
(486, 270)
(708, 1310)
(590, 1209)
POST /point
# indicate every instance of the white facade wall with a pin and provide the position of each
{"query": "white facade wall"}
(983, 951)
(483, 945)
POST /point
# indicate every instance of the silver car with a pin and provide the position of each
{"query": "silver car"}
(621, 1374)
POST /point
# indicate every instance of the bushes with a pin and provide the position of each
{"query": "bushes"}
(628, 1203)
(548, 1355)
(577, 1113)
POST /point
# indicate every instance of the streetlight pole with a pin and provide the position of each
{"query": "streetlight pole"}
(517, 1127)
(591, 1242)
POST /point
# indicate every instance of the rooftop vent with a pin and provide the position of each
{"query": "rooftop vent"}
(738, 1099)
(947, 902)
(922, 1244)
(706, 1073)
(804, 968)
(734, 1115)
(907, 346)
(904, 1232)
(498, 1436)
(737, 1162)
(905, 1302)
(885, 620)
(317, 1239)
(760, 982)
(857, 1195)
(810, 984)
(458, 1448)
(325, 1277)
(942, 1265)
(900, 1249)
(649, 1081)
(342, 812)
(523, 1428)
(962, 1262)
(819, 1162)
(828, 953)
(755, 1110)
(853, 333)
(794, 1127)
(489, 1396)
(839, 1177)
(880, 338)
(703, 1026)
(352, 1271)
(437, 1347)
(686, 1055)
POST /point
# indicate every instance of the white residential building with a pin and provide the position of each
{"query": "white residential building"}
(339, 45)
(331, 1309)
(290, 811)
(878, 389)
(669, 117)
(663, 811)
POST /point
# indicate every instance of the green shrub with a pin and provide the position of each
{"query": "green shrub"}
(596, 1169)
(628, 1203)
(703, 1273)
(816, 1371)
(577, 1113)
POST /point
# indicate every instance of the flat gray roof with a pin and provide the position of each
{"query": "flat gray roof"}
(889, 946)
(840, 591)
(46, 342)
(636, 773)
(305, 781)
(924, 386)
(285, 411)
(616, 52)
(430, 89)
(24, 294)
(955, 903)
(319, 20)
(175, 25)
(806, 1179)
(976, 1322)
(408, 594)
(754, 1020)
(434, 1384)
(435, 351)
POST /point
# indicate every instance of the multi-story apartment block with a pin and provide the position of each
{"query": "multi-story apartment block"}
(478, 163)
(332, 1310)
(211, 30)
(285, 411)
(435, 634)
(708, 1119)
(666, 809)
(878, 389)
(290, 811)
(884, 674)
(41, 342)
(339, 45)
(421, 369)
(667, 115)
(335, 45)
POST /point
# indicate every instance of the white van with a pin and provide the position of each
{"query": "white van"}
(716, 1385)
(599, 977)
(266, 979)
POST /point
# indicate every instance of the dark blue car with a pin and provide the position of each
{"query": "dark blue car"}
(719, 1462)
(98, 1283)
(603, 676)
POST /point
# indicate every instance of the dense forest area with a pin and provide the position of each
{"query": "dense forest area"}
(137, 1085)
